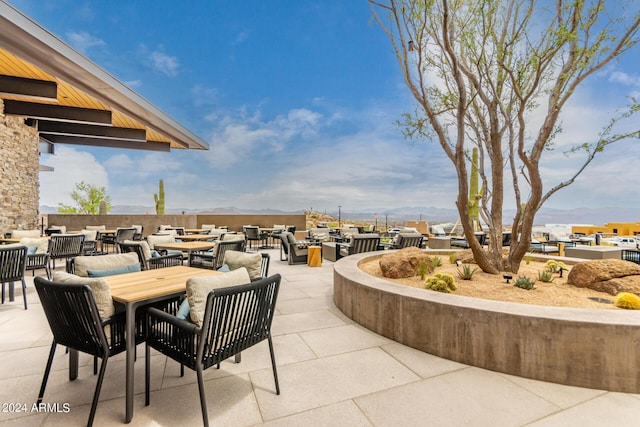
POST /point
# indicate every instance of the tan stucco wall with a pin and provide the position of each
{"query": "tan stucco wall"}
(152, 222)
(18, 174)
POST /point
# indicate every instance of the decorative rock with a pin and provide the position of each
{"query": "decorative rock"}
(606, 275)
(404, 263)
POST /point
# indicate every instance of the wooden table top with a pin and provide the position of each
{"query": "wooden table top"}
(194, 237)
(146, 284)
(186, 246)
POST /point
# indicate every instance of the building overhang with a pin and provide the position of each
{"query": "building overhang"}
(72, 100)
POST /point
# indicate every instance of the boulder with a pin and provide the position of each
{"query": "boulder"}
(404, 263)
(606, 275)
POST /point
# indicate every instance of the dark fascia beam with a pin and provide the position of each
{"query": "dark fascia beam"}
(28, 88)
(57, 112)
(91, 131)
(106, 142)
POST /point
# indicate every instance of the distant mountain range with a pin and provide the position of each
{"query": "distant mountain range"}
(596, 216)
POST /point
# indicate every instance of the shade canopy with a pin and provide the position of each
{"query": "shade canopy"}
(71, 100)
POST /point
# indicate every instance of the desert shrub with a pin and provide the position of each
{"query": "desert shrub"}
(467, 272)
(452, 258)
(423, 269)
(441, 282)
(554, 266)
(527, 259)
(523, 282)
(627, 300)
(437, 261)
(545, 276)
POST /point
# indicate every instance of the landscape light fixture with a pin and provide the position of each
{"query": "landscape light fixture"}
(507, 277)
(458, 263)
(411, 46)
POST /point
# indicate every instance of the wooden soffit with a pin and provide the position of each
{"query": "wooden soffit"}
(71, 99)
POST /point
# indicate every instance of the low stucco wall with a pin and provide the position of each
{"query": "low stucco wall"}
(581, 347)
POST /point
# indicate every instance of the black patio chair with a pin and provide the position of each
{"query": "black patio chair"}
(12, 267)
(120, 236)
(37, 261)
(162, 261)
(254, 234)
(75, 323)
(65, 246)
(235, 319)
(213, 260)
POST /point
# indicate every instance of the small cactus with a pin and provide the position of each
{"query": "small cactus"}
(545, 276)
(441, 282)
(627, 300)
(523, 282)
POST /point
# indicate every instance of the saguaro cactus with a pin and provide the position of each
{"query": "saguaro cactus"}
(474, 193)
(102, 207)
(159, 199)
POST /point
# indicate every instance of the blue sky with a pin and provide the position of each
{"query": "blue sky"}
(297, 100)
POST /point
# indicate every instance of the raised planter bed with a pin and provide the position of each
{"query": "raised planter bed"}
(581, 347)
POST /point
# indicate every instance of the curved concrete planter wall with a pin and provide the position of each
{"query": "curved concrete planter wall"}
(582, 347)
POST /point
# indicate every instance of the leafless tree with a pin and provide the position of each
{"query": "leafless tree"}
(479, 69)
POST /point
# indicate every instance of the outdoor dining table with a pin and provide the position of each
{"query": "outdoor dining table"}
(141, 288)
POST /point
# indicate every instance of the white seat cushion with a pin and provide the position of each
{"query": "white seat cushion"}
(251, 262)
(103, 262)
(99, 287)
(198, 289)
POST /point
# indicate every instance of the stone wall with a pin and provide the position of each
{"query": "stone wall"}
(18, 174)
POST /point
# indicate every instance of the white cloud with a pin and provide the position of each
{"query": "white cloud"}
(625, 78)
(70, 167)
(239, 136)
(164, 63)
(82, 40)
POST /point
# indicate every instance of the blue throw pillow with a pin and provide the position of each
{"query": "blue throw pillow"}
(224, 269)
(112, 272)
(155, 254)
(31, 250)
(184, 310)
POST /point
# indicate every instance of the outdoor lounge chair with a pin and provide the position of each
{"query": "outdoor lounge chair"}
(296, 251)
(405, 240)
(359, 243)
(235, 319)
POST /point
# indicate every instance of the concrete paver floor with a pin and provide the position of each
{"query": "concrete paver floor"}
(332, 372)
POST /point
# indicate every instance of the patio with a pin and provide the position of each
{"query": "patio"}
(331, 371)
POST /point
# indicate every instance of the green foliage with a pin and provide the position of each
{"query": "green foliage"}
(554, 266)
(467, 272)
(423, 269)
(527, 259)
(627, 300)
(545, 276)
(524, 282)
(437, 261)
(159, 199)
(452, 258)
(87, 198)
(441, 282)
